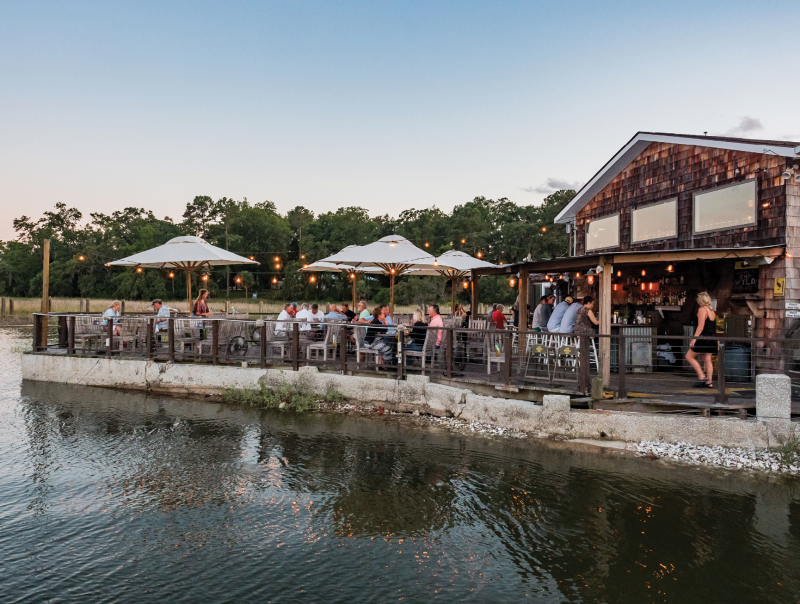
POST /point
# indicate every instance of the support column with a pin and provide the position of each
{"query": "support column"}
(605, 320)
(474, 301)
(524, 285)
(45, 289)
(354, 278)
(391, 298)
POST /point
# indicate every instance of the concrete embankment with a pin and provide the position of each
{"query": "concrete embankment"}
(552, 418)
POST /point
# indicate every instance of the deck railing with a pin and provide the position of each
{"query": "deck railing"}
(647, 369)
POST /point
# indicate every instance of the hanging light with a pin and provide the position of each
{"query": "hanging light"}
(277, 259)
(312, 279)
(138, 269)
(81, 258)
(302, 256)
(642, 286)
(277, 266)
(643, 273)
(465, 285)
(205, 277)
(463, 241)
(393, 271)
(670, 268)
(577, 275)
(427, 244)
(305, 265)
(615, 287)
(238, 279)
(590, 279)
(252, 257)
(274, 279)
(435, 262)
(352, 275)
(501, 262)
(619, 273)
(544, 229)
(172, 275)
(650, 286)
(561, 277)
(512, 282)
(480, 254)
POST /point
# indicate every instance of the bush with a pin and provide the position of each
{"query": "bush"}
(293, 398)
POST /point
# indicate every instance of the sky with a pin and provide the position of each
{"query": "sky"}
(383, 105)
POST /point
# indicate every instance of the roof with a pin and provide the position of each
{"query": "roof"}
(642, 140)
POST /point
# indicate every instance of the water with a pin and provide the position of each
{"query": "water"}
(109, 497)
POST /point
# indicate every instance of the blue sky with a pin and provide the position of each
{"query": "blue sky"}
(384, 105)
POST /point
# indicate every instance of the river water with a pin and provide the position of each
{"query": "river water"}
(120, 497)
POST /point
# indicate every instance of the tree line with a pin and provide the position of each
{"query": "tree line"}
(500, 230)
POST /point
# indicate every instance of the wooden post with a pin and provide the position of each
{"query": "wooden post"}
(151, 334)
(354, 278)
(400, 355)
(87, 306)
(622, 391)
(473, 305)
(509, 357)
(122, 308)
(215, 342)
(722, 397)
(295, 347)
(263, 344)
(343, 348)
(605, 320)
(260, 307)
(11, 307)
(37, 332)
(71, 336)
(523, 300)
(583, 364)
(171, 327)
(109, 337)
(227, 307)
(452, 296)
(45, 289)
(63, 332)
(2, 307)
(449, 349)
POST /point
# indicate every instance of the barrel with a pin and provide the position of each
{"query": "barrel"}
(737, 362)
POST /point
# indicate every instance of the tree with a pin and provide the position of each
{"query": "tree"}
(246, 280)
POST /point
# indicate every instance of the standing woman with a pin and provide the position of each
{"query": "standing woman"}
(699, 347)
(200, 308)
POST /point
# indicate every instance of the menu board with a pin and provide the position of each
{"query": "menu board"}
(745, 281)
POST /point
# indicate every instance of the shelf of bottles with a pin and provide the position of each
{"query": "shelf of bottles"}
(667, 292)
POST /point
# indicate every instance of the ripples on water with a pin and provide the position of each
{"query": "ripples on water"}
(108, 496)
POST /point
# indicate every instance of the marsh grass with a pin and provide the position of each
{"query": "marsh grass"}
(789, 450)
(298, 398)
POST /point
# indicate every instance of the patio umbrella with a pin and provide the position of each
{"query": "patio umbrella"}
(454, 265)
(352, 272)
(394, 255)
(183, 253)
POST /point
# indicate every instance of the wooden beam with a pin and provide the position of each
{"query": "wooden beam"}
(687, 255)
(605, 320)
(524, 285)
(45, 289)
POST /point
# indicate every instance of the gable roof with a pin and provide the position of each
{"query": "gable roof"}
(642, 140)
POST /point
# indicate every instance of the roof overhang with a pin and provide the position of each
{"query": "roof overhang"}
(644, 139)
(768, 253)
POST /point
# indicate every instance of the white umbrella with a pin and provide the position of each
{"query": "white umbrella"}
(394, 254)
(455, 265)
(353, 273)
(183, 253)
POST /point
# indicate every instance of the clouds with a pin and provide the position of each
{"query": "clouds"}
(746, 126)
(551, 185)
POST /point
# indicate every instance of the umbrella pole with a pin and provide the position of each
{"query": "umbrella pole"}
(452, 296)
(355, 278)
(189, 290)
(391, 296)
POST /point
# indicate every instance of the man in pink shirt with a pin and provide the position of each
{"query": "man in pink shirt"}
(436, 321)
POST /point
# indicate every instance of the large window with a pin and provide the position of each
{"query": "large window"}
(658, 221)
(603, 233)
(725, 208)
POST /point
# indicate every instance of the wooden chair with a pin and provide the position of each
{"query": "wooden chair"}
(360, 334)
(495, 349)
(324, 346)
(477, 341)
(88, 332)
(428, 349)
(188, 334)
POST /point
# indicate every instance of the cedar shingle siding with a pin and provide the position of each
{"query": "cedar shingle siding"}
(663, 171)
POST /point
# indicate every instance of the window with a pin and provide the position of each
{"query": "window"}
(603, 233)
(727, 207)
(657, 221)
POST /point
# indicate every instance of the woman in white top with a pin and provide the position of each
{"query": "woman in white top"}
(113, 311)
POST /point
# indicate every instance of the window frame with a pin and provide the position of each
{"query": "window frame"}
(652, 205)
(695, 194)
(609, 247)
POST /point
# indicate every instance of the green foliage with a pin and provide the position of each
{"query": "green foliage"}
(788, 450)
(287, 397)
(499, 229)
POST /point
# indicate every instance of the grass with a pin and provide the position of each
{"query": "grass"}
(789, 450)
(287, 397)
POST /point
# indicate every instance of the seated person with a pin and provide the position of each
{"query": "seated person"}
(363, 314)
(554, 324)
(302, 316)
(585, 321)
(335, 314)
(347, 312)
(200, 307)
(316, 319)
(113, 311)
(498, 318)
(415, 338)
(286, 318)
(387, 320)
(568, 320)
(542, 313)
(436, 321)
(162, 315)
(376, 340)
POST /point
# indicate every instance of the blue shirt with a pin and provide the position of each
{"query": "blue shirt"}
(568, 320)
(335, 316)
(163, 313)
(110, 313)
(554, 324)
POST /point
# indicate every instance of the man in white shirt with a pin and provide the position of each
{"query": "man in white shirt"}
(314, 315)
(303, 317)
(286, 317)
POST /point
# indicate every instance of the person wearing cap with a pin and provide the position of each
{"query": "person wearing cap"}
(568, 320)
(554, 324)
(293, 309)
(162, 314)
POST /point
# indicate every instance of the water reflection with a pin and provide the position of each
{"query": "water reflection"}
(109, 496)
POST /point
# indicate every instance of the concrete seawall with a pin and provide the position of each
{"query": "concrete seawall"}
(552, 418)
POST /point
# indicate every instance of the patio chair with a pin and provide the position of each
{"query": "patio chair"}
(428, 350)
(88, 331)
(188, 334)
(324, 346)
(476, 341)
(360, 334)
(495, 349)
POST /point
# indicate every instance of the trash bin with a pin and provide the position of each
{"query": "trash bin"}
(737, 362)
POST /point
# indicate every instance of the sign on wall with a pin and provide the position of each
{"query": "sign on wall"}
(780, 287)
(745, 281)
